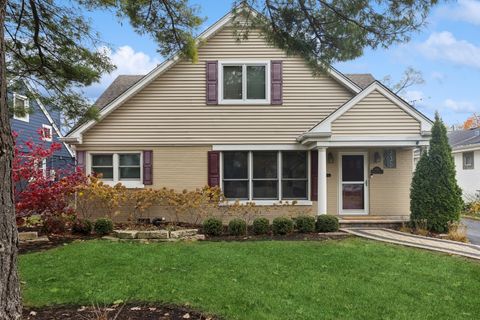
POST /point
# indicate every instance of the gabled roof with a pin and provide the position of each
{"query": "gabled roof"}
(324, 127)
(76, 133)
(362, 80)
(121, 84)
(461, 139)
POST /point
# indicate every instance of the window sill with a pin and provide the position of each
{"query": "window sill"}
(244, 102)
(128, 184)
(271, 202)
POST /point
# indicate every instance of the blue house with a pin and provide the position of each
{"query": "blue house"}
(43, 119)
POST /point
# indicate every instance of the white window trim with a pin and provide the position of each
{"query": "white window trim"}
(116, 169)
(244, 64)
(46, 126)
(464, 167)
(279, 201)
(16, 96)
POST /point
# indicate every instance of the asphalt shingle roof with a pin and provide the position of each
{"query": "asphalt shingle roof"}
(462, 138)
(121, 84)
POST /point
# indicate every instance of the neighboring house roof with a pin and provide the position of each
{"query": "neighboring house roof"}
(362, 80)
(464, 139)
(123, 82)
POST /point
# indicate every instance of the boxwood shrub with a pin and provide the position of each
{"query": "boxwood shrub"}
(261, 226)
(82, 226)
(305, 224)
(237, 227)
(327, 223)
(103, 226)
(212, 227)
(282, 226)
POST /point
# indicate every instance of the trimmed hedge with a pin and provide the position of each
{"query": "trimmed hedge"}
(282, 226)
(327, 223)
(261, 226)
(82, 226)
(212, 227)
(305, 224)
(237, 227)
(103, 226)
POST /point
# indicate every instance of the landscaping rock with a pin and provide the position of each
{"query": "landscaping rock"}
(110, 238)
(26, 236)
(126, 234)
(177, 234)
(156, 234)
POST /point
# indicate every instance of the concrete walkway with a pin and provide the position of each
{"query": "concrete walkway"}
(411, 240)
(473, 230)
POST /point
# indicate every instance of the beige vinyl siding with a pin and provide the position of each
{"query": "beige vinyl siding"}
(172, 111)
(176, 168)
(375, 115)
(390, 191)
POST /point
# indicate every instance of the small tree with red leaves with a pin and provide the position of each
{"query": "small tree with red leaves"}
(37, 191)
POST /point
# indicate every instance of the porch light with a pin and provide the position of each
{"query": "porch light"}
(376, 157)
(330, 158)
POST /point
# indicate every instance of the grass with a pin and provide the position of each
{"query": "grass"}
(349, 279)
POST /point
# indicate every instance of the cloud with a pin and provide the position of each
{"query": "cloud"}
(438, 76)
(467, 10)
(414, 97)
(444, 46)
(460, 106)
(128, 61)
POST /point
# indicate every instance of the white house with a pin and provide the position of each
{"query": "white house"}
(466, 152)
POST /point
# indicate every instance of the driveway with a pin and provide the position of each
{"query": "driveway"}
(473, 230)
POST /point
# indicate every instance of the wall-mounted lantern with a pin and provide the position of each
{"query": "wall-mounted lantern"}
(330, 158)
(376, 157)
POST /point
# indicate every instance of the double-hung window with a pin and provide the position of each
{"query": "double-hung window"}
(294, 175)
(20, 106)
(265, 175)
(468, 160)
(118, 167)
(245, 83)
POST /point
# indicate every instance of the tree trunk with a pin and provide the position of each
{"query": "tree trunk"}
(10, 300)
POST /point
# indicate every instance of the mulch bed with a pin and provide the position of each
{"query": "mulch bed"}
(118, 312)
(288, 237)
(57, 240)
(54, 240)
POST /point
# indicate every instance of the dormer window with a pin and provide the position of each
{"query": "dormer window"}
(20, 103)
(244, 83)
(46, 132)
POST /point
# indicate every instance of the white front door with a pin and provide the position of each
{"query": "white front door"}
(353, 184)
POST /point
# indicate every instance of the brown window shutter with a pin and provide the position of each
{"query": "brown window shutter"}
(314, 174)
(147, 167)
(276, 83)
(81, 156)
(213, 168)
(212, 82)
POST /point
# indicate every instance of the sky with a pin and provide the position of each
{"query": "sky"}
(446, 52)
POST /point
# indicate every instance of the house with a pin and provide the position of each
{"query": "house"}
(466, 153)
(42, 119)
(254, 121)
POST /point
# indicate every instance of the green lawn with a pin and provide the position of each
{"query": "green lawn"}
(349, 279)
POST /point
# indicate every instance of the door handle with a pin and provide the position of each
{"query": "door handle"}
(366, 183)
